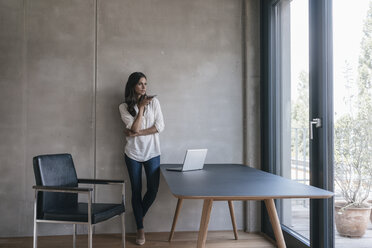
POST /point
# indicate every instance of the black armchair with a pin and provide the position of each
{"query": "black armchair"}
(56, 197)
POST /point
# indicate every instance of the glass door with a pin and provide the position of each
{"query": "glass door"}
(296, 104)
(294, 155)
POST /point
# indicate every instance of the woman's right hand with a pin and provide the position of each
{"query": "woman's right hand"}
(145, 101)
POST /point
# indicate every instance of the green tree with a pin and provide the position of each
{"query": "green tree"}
(300, 112)
(300, 117)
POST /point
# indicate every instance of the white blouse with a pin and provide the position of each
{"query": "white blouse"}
(143, 148)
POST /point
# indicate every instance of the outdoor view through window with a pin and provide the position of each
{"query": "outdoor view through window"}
(352, 43)
(296, 212)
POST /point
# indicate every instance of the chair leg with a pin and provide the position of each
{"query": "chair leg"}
(74, 236)
(35, 222)
(123, 229)
(35, 234)
(90, 236)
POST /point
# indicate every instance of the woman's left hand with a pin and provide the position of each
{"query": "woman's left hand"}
(130, 133)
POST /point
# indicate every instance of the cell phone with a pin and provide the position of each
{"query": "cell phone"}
(152, 96)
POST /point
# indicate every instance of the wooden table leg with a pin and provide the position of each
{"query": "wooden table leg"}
(232, 214)
(176, 213)
(270, 206)
(206, 214)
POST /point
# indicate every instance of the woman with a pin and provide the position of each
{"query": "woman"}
(143, 120)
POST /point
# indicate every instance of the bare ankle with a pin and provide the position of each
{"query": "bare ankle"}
(140, 232)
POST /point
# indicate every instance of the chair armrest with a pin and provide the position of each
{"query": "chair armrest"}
(88, 191)
(62, 189)
(99, 181)
(106, 182)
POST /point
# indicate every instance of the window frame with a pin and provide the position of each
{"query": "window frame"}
(321, 105)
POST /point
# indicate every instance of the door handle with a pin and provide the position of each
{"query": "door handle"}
(318, 123)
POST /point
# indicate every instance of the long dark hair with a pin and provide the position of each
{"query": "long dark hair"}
(130, 94)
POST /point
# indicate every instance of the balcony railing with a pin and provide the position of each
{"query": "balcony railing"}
(300, 171)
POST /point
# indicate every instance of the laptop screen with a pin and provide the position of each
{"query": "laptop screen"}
(194, 159)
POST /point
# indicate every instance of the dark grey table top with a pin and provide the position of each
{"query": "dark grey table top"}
(235, 181)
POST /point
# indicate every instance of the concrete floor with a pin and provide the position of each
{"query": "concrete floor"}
(363, 242)
(301, 225)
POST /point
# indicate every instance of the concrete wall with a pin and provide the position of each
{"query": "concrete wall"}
(63, 66)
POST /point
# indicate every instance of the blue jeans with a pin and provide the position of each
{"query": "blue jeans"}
(152, 169)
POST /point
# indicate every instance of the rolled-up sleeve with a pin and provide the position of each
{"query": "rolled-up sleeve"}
(126, 117)
(159, 121)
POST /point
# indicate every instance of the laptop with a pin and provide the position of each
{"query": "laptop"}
(194, 160)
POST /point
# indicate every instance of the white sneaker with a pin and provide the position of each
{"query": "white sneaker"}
(140, 241)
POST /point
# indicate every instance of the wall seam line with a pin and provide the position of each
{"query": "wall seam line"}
(24, 107)
(244, 102)
(95, 97)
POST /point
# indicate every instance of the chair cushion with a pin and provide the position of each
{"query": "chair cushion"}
(100, 212)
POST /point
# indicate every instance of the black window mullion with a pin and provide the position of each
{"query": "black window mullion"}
(321, 106)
